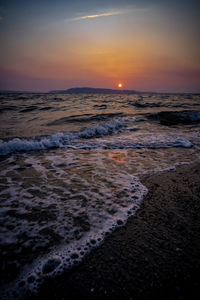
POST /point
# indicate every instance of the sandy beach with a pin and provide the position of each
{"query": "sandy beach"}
(154, 256)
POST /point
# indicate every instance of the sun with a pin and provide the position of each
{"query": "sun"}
(119, 85)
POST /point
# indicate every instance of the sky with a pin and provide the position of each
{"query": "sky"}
(147, 45)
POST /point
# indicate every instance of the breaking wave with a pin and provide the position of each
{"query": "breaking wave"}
(59, 140)
(70, 140)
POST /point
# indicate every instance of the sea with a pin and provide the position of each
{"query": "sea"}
(70, 167)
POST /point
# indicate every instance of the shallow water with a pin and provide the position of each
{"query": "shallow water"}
(69, 172)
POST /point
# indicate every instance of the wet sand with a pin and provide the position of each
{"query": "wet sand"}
(155, 256)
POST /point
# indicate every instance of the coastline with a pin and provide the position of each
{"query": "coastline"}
(154, 256)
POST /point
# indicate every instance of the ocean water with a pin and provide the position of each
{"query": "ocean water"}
(69, 173)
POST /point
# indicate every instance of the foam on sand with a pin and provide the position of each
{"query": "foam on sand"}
(55, 219)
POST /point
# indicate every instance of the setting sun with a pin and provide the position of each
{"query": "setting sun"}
(119, 85)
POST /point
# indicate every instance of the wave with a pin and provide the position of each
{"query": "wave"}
(177, 143)
(59, 140)
(29, 108)
(8, 108)
(46, 108)
(145, 105)
(70, 140)
(176, 117)
(85, 118)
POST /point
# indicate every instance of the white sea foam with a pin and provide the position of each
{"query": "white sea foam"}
(58, 140)
(101, 206)
(145, 144)
(64, 140)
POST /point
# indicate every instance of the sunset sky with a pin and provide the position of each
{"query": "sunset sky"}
(146, 45)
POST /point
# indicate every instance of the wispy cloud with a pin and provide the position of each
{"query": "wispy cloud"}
(106, 14)
(1, 18)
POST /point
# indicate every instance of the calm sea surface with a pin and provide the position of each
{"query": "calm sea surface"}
(69, 172)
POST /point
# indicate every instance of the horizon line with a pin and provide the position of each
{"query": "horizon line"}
(13, 91)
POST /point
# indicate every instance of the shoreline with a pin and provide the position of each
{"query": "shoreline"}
(154, 256)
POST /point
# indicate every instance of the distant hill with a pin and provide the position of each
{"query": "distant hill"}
(14, 92)
(89, 90)
(78, 90)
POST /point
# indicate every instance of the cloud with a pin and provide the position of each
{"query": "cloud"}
(1, 18)
(106, 14)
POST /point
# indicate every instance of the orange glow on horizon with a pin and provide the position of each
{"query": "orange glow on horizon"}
(119, 85)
